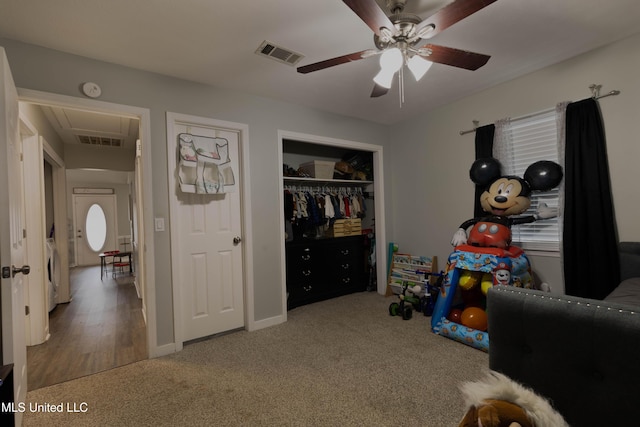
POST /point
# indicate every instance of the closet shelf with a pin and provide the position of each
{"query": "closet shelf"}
(318, 181)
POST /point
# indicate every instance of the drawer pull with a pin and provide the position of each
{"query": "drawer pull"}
(345, 266)
(307, 288)
(306, 257)
(345, 251)
(306, 272)
(346, 280)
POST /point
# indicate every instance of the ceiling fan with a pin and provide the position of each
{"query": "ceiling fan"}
(397, 39)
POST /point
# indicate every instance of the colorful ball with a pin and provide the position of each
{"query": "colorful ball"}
(468, 280)
(486, 283)
(455, 315)
(474, 317)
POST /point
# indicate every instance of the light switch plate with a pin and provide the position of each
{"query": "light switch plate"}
(159, 224)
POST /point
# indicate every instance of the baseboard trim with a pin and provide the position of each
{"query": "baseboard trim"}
(265, 323)
(163, 350)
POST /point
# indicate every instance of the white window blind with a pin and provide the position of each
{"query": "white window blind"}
(535, 138)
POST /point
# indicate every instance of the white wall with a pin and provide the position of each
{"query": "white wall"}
(431, 190)
(38, 119)
(50, 71)
(78, 156)
(428, 192)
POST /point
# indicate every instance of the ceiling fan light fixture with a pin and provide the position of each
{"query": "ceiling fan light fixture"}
(386, 35)
(391, 59)
(418, 66)
(384, 78)
(423, 32)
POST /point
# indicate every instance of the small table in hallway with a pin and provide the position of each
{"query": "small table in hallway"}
(103, 260)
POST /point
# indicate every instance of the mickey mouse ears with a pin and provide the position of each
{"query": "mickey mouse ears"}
(485, 171)
(543, 175)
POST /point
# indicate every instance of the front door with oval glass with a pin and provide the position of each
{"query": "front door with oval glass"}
(94, 226)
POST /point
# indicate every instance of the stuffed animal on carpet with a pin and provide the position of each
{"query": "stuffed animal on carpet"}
(498, 401)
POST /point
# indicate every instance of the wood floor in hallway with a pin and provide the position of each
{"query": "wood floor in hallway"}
(101, 328)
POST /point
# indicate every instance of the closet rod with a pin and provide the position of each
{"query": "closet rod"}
(595, 89)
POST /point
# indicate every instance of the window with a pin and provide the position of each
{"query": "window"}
(530, 139)
(96, 227)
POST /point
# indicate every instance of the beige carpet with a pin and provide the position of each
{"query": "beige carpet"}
(341, 362)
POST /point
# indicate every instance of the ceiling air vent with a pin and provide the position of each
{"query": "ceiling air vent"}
(100, 140)
(278, 53)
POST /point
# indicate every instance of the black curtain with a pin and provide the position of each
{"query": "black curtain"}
(590, 241)
(484, 149)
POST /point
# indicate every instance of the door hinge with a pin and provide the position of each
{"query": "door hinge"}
(26, 310)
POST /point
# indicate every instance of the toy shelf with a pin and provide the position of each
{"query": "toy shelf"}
(410, 269)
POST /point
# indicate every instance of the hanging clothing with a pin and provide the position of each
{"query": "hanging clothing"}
(329, 211)
(347, 207)
(311, 212)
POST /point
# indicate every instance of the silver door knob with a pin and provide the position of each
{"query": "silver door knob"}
(25, 269)
(237, 240)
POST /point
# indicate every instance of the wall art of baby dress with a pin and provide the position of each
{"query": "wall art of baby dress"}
(204, 166)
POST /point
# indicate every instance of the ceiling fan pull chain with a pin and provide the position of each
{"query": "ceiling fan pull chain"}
(401, 86)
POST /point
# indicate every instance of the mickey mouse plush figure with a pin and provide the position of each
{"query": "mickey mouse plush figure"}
(504, 197)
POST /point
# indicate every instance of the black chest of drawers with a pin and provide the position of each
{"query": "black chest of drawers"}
(324, 268)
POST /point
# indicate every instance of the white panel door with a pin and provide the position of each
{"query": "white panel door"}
(85, 254)
(12, 242)
(208, 243)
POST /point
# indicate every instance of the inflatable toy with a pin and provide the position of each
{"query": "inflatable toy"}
(504, 266)
(505, 197)
(486, 258)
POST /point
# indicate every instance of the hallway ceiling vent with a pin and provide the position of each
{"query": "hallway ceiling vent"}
(280, 54)
(100, 140)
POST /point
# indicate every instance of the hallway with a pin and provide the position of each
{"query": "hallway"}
(101, 328)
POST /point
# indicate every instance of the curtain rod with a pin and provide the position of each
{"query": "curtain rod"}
(595, 90)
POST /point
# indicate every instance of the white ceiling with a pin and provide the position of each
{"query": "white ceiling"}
(213, 42)
(106, 130)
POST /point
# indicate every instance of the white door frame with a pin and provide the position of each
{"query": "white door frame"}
(146, 231)
(60, 234)
(378, 186)
(36, 283)
(243, 174)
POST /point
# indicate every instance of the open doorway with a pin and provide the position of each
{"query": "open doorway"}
(117, 330)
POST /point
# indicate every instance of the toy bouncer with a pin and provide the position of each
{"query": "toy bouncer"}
(486, 257)
(460, 309)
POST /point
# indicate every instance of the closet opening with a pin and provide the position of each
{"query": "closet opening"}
(332, 218)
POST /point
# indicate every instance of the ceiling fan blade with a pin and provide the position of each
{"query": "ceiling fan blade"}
(455, 57)
(452, 13)
(371, 14)
(378, 91)
(334, 61)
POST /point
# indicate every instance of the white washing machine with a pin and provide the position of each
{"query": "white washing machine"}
(53, 273)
